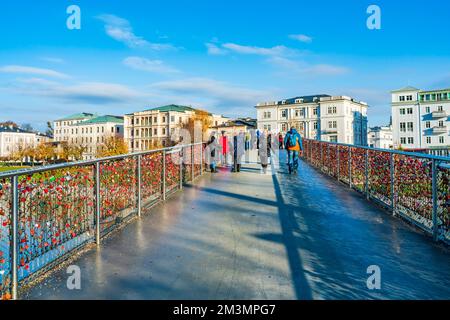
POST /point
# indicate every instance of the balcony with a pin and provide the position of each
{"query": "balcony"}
(439, 129)
(439, 114)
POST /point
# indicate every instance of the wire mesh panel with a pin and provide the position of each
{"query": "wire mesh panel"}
(325, 161)
(118, 192)
(187, 164)
(344, 160)
(315, 150)
(151, 177)
(173, 170)
(380, 176)
(56, 215)
(443, 201)
(413, 189)
(332, 160)
(198, 159)
(358, 167)
(5, 238)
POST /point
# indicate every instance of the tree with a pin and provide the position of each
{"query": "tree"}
(112, 146)
(27, 127)
(45, 152)
(197, 125)
(8, 124)
(50, 130)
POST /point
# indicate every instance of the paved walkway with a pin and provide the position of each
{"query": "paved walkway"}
(254, 236)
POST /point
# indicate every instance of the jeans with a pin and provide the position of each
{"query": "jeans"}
(292, 160)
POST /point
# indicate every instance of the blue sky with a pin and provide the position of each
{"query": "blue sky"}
(224, 56)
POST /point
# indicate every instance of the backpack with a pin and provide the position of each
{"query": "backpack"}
(292, 140)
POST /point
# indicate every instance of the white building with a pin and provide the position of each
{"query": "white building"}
(322, 117)
(12, 139)
(88, 131)
(420, 120)
(380, 137)
(153, 127)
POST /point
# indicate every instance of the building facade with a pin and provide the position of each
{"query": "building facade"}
(380, 137)
(88, 131)
(154, 127)
(421, 120)
(12, 139)
(321, 117)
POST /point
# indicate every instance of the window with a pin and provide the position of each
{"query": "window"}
(409, 98)
(440, 108)
(441, 139)
(284, 113)
(441, 123)
(155, 131)
(315, 125)
(410, 140)
(332, 110)
(172, 118)
(155, 119)
(410, 111)
(332, 124)
(333, 138)
(164, 119)
(428, 139)
(315, 111)
(403, 140)
(427, 109)
(402, 111)
(410, 126)
(402, 98)
(137, 120)
(402, 126)
(428, 125)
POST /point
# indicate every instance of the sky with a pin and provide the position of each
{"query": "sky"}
(223, 56)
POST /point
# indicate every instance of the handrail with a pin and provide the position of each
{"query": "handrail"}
(405, 153)
(28, 171)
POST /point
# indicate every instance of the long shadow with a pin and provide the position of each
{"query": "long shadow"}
(288, 225)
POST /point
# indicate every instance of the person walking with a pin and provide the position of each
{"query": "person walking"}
(238, 151)
(280, 140)
(293, 145)
(264, 151)
(212, 146)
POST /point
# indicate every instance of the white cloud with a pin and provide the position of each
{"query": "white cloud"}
(120, 30)
(218, 95)
(214, 49)
(273, 51)
(33, 71)
(295, 67)
(156, 66)
(301, 38)
(53, 60)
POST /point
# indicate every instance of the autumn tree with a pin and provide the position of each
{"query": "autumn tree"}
(197, 126)
(45, 152)
(112, 146)
(8, 123)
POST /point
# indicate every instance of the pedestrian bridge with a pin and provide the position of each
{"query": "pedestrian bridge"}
(228, 235)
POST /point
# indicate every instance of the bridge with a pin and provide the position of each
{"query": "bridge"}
(171, 231)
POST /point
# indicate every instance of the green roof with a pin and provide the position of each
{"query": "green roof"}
(172, 107)
(78, 116)
(408, 88)
(102, 119)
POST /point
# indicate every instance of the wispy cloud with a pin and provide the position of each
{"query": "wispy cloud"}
(33, 71)
(53, 60)
(143, 64)
(262, 51)
(120, 30)
(217, 94)
(299, 67)
(86, 92)
(213, 49)
(301, 38)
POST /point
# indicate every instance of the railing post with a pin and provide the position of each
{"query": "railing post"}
(181, 168)
(97, 203)
(434, 199)
(139, 199)
(338, 163)
(15, 237)
(392, 174)
(201, 158)
(164, 175)
(350, 166)
(366, 173)
(192, 163)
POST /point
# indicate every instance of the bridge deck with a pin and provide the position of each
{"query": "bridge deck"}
(254, 236)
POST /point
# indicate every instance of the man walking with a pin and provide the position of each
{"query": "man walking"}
(293, 145)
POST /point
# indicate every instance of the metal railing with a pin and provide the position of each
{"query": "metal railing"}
(47, 213)
(413, 186)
